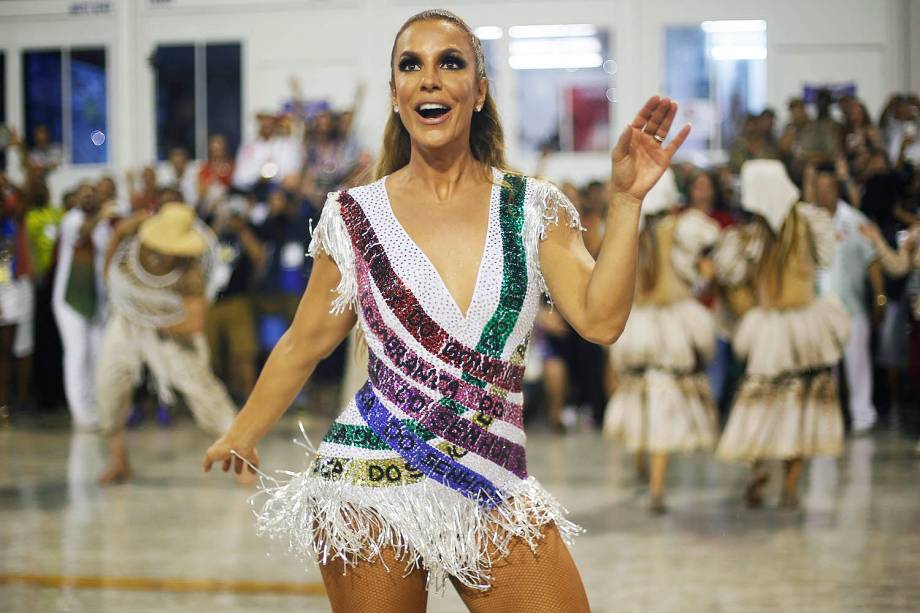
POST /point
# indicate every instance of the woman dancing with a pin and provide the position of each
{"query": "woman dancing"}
(663, 403)
(787, 406)
(422, 477)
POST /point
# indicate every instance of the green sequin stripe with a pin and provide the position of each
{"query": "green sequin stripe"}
(514, 274)
(365, 438)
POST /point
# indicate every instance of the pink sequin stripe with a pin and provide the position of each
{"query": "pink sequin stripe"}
(410, 313)
(443, 422)
(422, 372)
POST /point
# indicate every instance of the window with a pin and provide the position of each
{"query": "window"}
(717, 72)
(198, 93)
(564, 77)
(66, 91)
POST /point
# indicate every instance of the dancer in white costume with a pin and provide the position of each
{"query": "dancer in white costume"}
(787, 406)
(663, 403)
(157, 275)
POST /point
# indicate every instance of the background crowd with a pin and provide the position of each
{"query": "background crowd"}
(260, 202)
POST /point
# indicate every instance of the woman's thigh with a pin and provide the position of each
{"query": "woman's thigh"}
(378, 587)
(545, 581)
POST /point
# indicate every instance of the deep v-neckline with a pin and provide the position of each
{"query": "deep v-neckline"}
(464, 315)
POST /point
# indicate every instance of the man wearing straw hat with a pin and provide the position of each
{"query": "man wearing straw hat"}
(156, 271)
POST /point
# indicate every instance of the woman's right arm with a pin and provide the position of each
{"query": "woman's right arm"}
(313, 335)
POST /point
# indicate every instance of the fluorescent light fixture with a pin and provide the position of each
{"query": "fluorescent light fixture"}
(488, 32)
(738, 52)
(549, 61)
(552, 31)
(550, 46)
(735, 25)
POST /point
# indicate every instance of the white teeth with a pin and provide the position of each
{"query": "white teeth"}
(428, 106)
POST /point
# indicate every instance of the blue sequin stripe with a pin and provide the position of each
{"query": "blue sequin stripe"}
(422, 456)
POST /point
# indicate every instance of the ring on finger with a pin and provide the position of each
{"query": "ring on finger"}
(660, 139)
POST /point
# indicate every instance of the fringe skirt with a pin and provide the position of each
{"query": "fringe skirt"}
(663, 402)
(787, 405)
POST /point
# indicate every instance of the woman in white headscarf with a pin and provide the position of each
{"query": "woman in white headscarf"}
(663, 403)
(786, 407)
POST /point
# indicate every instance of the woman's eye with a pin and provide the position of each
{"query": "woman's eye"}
(407, 65)
(453, 63)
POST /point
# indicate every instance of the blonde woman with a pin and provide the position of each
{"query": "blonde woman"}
(442, 262)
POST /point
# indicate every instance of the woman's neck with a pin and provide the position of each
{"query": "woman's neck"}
(442, 172)
(705, 207)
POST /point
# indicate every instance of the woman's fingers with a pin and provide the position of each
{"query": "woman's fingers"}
(665, 126)
(621, 149)
(645, 113)
(658, 116)
(678, 140)
(227, 462)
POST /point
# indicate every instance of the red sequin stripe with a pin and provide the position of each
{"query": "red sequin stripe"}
(412, 316)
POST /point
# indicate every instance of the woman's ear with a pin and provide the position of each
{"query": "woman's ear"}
(483, 92)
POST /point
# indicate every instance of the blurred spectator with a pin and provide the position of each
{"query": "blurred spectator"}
(15, 298)
(148, 197)
(789, 145)
(592, 207)
(855, 262)
(859, 135)
(757, 140)
(179, 174)
(43, 154)
(214, 176)
(900, 123)
(704, 195)
(79, 301)
(821, 139)
(230, 318)
(286, 233)
(266, 160)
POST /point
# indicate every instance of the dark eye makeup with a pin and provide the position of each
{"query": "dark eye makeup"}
(451, 60)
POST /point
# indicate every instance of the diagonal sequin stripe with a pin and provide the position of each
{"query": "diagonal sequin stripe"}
(354, 435)
(410, 313)
(445, 423)
(426, 374)
(514, 271)
(422, 456)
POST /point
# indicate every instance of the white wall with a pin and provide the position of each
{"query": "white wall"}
(333, 44)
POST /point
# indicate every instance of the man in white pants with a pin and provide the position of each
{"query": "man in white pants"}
(855, 261)
(157, 275)
(78, 301)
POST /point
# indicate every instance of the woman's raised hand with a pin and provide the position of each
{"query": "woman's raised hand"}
(640, 157)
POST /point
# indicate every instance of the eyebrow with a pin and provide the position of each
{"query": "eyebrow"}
(444, 52)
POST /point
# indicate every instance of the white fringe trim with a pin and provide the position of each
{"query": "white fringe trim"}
(331, 237)
(541, 210)
(427, 525)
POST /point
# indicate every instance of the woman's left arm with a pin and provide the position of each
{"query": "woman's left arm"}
(595, 297)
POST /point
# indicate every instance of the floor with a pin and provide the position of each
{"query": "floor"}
(178, 540)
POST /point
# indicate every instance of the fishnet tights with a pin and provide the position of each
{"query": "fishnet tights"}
(547, 582)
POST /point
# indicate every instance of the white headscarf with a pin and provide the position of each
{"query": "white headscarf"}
(663, 196)
(767, 190)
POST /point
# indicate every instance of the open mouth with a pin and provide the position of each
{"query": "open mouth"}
(432, 111)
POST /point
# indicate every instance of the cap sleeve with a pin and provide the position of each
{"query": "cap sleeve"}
(330, 236)
(545, 206)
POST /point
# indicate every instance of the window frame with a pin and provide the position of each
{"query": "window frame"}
(66, 99)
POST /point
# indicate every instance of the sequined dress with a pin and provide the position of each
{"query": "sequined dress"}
(428, 458)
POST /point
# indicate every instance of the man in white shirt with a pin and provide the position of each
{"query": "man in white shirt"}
(855, 260)
(267, 159)
(78, 301)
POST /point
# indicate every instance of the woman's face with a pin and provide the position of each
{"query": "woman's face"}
(435, 85)
(702, 191)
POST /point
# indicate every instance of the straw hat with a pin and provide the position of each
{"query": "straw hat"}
(663, 196)
(767, 190)
(172, 232)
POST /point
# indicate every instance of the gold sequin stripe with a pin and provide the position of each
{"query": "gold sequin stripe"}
(375, 472)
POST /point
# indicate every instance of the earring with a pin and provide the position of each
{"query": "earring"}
(478, 107)
(395, 109)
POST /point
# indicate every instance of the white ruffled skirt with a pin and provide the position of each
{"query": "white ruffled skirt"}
(787, 405)
(663, 402)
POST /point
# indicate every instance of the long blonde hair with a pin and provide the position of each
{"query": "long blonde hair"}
(777, 249)
(487, 139)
